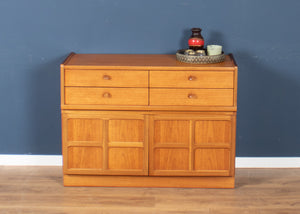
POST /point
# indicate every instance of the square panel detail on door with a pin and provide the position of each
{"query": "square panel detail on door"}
(125, 130)
(126, 146)
(80, 157)
(171, 159)
(83, 144)
(84, 129)
(125, 158)
(213, 132)
(170, 146)
(171, 132)
(190, 145)
(212, 159)
(105, 143)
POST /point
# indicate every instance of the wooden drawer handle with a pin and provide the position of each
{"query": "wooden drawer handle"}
(106, 77)
(192, 78)
(192, 96)
(106, 95)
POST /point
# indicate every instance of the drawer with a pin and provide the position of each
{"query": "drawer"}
(106, 78)
(192, 79)
(106, 96)
(192, 97)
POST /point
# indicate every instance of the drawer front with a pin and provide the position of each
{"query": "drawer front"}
(106, 96)
(106, 78)
(192, 97)
(192, 79)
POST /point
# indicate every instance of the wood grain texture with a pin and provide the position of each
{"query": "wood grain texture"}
(212, 132)
(212, 159)
(106, 78)
(171, 159)
(145, 181)
(191, 79)
(129, 130)
(62, 77)
(99, 143)
(191, 97)
(148, 144)
(125, 158)
(126, 145)
(35, 189)
(233, 144)
(90, 69)
(140, 62)
(88, 130)
(106, 96)
(85, 157)
(235, 85)
(171, 131)
(191, 145)
(127, 107)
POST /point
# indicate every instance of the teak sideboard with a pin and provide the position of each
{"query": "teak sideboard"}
(148, 121)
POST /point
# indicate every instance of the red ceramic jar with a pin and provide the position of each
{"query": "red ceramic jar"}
(196, 41)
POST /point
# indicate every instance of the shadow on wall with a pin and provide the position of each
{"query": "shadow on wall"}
(217, 38)
(268, 108)
(186, 33)
(45, 104)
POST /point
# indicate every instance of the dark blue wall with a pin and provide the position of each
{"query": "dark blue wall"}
(36, 36)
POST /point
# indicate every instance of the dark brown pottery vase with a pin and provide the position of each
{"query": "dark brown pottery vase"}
(196, 41)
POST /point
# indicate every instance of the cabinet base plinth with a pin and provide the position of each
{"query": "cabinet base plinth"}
(148, 181)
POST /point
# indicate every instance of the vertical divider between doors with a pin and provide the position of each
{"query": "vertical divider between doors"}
(151, 145)
(105, 144)
(146, 144)
(191, 145)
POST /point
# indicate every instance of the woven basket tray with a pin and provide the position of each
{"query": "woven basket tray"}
(199, 59)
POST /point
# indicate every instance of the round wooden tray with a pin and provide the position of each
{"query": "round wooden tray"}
(199, 59)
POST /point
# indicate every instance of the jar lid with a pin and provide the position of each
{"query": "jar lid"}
(196, 29)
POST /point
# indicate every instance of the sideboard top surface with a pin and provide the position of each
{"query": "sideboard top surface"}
(140, 61)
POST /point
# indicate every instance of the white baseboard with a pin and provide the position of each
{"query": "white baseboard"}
(31, 160)
(267, 162)
(241, 162)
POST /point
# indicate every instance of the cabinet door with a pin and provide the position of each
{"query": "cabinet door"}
(108, 143)
(192, 144)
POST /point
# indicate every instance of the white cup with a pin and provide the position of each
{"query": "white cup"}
(214, 50)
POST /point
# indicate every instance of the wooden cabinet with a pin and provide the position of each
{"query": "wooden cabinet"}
(191, 144)
(105, 143)
(148, 120)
